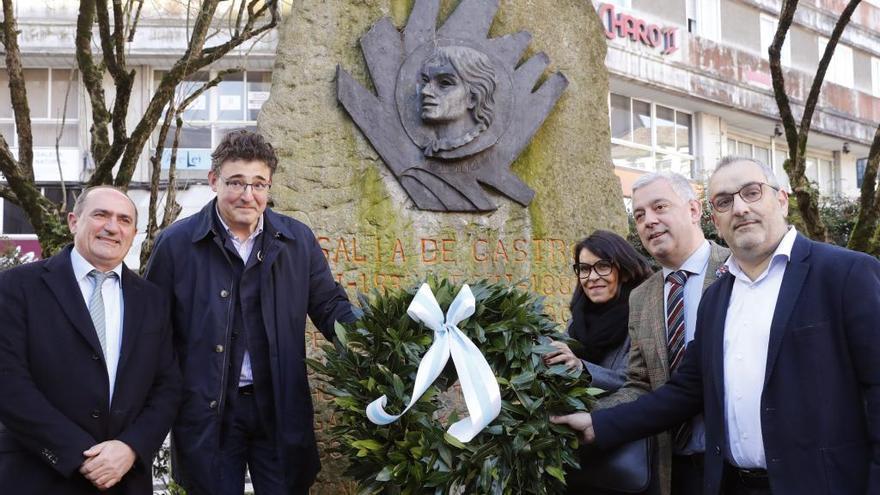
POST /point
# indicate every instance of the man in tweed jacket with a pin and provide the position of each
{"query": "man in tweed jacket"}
(667, 216)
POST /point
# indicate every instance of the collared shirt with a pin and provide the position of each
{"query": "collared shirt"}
(696, 264)
(244, 249)
(746, 340)
(111, 291)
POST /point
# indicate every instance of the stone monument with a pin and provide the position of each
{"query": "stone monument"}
(436, 136)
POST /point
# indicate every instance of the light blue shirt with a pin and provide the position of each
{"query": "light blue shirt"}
(111, 292)
(697, 264)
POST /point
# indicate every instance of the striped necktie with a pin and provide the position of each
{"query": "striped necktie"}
(96, 306)
(675, 331)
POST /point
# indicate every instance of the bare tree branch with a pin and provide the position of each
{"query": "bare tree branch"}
(819, 78)
(7, 194)
(18, 93)
(137, 17)
(805, 195)
(58, 136)
(92, 77)
(869, 201)
(194, 60)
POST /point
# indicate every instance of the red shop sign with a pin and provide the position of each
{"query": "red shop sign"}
(618, 24)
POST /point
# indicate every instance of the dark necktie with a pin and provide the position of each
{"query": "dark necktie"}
(675, 332)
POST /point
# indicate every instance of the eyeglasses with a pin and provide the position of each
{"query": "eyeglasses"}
(751, 192)
(601, 267)
(239, 186)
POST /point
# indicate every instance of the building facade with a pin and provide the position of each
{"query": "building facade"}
(690, 82)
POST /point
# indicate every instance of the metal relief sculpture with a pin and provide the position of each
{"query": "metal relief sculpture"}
(452, 109)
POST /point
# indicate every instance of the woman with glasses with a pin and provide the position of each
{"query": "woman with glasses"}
(607, 269)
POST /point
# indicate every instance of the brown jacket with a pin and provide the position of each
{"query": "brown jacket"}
(648, 365)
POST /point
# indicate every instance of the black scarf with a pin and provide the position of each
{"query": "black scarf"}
(600, 328)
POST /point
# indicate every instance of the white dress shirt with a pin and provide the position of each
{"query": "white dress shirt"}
(111, 291)
(697, 264)
(746, 339)
(244, 249)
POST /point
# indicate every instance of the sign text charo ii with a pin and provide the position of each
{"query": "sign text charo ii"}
(618, 24)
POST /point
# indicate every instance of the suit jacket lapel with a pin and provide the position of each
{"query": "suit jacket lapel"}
(713, 332)
(132, 315)
(792, 283)
(62, 283)
(656, 312)
(717, 256)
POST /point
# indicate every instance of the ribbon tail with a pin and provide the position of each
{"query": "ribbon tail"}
(478, 385)
(429, 369)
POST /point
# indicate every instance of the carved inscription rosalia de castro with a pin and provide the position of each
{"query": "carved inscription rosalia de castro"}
(453, 108)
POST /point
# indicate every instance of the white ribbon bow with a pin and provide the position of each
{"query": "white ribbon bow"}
(478, 383)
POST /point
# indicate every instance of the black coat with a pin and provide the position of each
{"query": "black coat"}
(188, 262)
(820, 407)
(54, 384)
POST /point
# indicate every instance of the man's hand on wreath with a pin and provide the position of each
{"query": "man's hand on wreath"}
(580, 422)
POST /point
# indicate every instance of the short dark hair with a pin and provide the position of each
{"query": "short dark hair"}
(243, 144)
(633, 267)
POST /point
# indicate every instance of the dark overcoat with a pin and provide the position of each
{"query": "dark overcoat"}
(54, 385)
(188, 261)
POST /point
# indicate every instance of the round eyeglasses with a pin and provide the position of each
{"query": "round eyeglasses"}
(750, 193)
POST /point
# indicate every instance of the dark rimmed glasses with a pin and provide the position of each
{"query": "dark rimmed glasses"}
(602, 268)
(239, 186)
(751, 192)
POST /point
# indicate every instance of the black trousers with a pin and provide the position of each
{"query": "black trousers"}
(687, 474)
(745, 481)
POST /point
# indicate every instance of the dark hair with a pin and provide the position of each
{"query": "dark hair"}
(632, 266)
(243, 144)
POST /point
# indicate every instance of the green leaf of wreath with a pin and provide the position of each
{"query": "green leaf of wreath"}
(520, 452)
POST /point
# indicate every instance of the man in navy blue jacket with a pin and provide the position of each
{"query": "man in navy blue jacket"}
(785, 363)
(242, 279)
(88, 381)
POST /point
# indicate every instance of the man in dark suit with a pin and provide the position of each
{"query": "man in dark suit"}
(88, 379)
(785, 362)
(242, 279)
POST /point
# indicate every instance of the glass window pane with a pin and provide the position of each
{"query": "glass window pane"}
(731, 147)
(683, 132)
(672, 163)
(258, 87)
(200, 108)
(762, 155)
(627, 156)
(14, 220)
(812, 170)
(620, 117)
(744, 149)
(65, 87)
(190, 137)
(825, 176)
(665, 127)
(7, 130)
(36, 83)
(230, 97)
(641, 122)
(5, 99)
(45, 135)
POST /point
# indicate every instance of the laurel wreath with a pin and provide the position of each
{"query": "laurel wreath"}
(520, 452)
